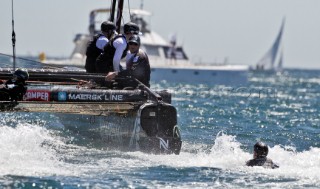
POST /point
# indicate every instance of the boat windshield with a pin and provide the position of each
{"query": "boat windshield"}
(143, 25)
(154, 50)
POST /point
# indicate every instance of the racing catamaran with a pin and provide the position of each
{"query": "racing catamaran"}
(126, 117)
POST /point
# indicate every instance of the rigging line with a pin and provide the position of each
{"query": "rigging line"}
(21, 58)
(30, 60)
(129, 9)
(122, 20)
(13, 39)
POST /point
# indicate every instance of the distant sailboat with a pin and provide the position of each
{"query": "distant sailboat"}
(273, 55)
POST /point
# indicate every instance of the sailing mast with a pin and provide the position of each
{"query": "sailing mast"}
(13, 41)
(119, 15)
(113, 8)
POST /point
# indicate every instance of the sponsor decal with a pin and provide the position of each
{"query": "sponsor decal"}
(37, 95)
(94, 97)
(62, 96)
(163, 144)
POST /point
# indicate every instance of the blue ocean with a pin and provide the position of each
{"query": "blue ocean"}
(219, 126)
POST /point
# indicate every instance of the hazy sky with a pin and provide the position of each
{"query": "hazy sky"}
(209, 30)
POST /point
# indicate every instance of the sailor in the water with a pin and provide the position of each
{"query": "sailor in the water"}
(260, 152)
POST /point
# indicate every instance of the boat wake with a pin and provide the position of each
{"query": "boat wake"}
(227, 157)
(29, 150)
(36, 150)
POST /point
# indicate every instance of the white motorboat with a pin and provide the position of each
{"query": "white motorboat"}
(168, 62)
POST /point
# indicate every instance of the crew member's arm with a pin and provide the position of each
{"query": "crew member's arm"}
(250, 163)
(273, 165)
(101, 42)
(120, 44)
(111, 76)
(140, 69)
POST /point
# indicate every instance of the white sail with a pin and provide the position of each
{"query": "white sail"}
(267, 62)
(280, 63)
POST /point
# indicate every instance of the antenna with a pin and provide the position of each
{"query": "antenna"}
(13, 41)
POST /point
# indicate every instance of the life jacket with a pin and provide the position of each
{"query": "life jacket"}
(92, 50)
(138, 67)
(109, 51)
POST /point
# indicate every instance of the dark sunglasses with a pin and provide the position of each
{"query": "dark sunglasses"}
(132, 32)
(131, 43)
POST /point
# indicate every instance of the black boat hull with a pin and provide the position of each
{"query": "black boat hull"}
(137, 130)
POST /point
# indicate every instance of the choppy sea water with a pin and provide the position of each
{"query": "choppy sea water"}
(219, 125)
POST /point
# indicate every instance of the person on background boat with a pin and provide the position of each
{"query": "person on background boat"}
(260, 152)
(137, 63)
(172, 51)
(92, 23)
(96, 45)
(115, 50)
(14, 88)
